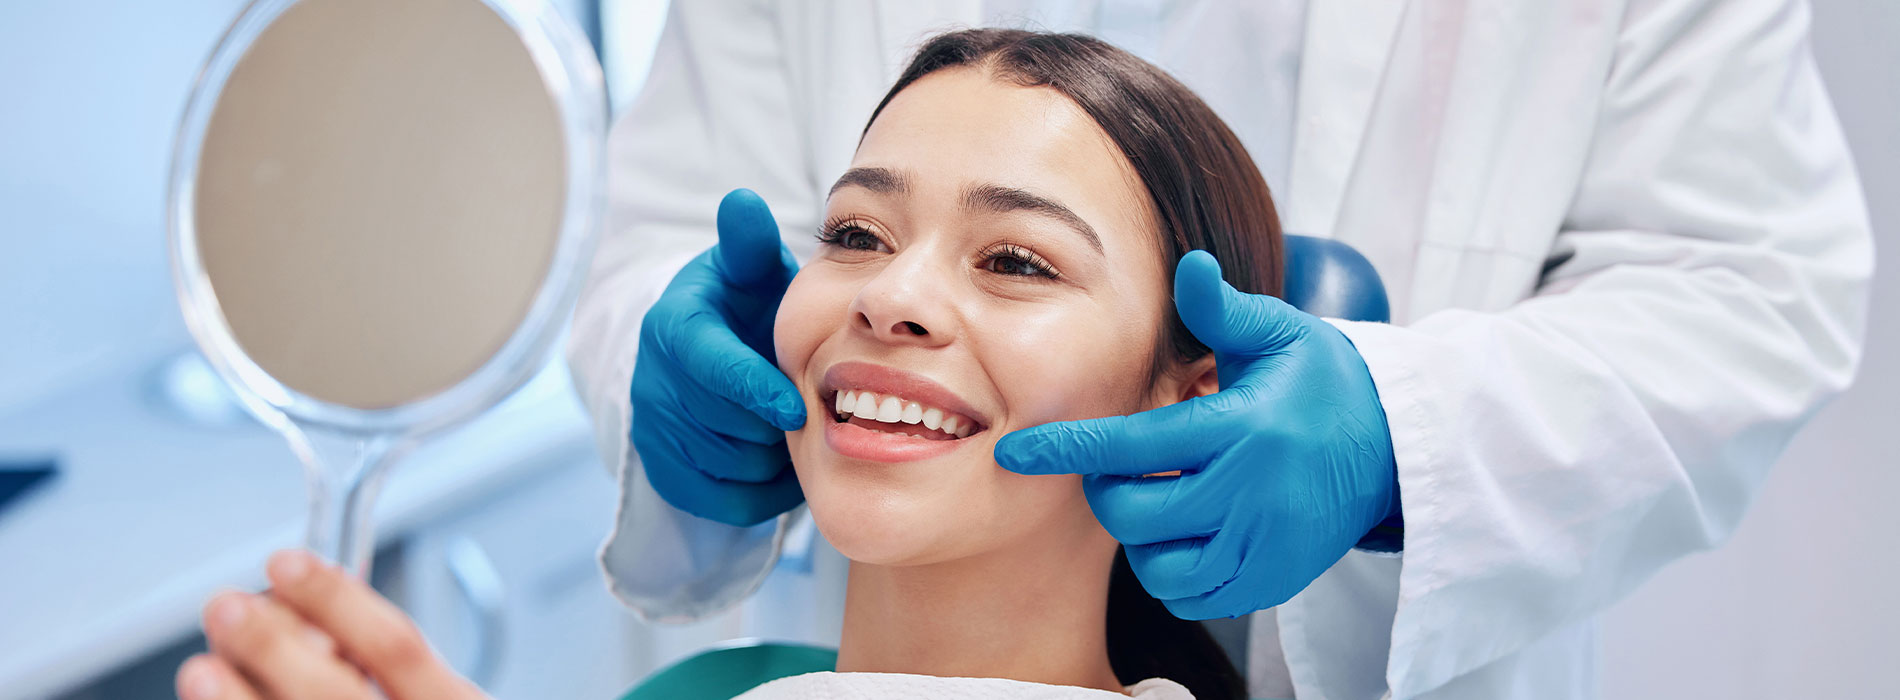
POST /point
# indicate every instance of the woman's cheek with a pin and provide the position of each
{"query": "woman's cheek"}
(795, 331)
(1067, 366)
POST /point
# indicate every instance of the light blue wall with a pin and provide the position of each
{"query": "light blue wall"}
(90, 94)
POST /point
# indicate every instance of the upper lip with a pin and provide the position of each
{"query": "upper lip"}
(890, 381)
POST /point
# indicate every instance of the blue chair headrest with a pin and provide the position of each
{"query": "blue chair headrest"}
(1329, 279)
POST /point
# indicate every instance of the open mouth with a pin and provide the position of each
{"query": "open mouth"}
(893, 414)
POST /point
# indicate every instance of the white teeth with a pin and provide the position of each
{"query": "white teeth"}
(891, 409)
(867, 406)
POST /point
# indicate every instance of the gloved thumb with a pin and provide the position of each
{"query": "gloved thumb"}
(750, 254)
(1227, 320)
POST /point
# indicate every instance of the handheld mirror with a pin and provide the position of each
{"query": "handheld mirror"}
(378, 214)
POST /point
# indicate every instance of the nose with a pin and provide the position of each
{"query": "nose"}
(909, 302)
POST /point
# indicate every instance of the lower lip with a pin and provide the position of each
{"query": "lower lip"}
(878, 446)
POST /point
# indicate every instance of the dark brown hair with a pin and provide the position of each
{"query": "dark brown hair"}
(1207, 195)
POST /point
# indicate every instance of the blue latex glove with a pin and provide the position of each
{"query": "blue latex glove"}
(710, 406)
(1284, 469)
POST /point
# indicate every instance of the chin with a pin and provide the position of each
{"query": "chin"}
(870, 514)
(888, 546)
(874, 523)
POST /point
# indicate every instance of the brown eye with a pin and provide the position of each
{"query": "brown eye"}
(858, 239)
(1015, 261)
(1003, 265)
(850, 236)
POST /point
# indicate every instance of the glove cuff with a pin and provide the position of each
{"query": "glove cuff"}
(1387, 537)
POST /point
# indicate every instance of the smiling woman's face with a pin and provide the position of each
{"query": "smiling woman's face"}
(991, 265)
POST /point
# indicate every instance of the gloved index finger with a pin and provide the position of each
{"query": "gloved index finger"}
(1164, 439)
(715, 359)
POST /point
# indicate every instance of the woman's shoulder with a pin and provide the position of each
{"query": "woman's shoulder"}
(853, 686)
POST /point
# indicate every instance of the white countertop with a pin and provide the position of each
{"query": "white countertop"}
(151, 512)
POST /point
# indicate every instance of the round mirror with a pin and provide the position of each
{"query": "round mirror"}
(379, 214)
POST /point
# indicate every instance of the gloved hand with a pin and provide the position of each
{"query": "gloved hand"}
(1282, 471)
(710, 406)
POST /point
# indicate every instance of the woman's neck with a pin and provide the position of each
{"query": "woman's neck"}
(1034, 612)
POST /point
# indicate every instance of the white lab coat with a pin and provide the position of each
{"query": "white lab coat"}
(1626, 247)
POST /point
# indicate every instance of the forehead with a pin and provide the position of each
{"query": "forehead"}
(959, 126)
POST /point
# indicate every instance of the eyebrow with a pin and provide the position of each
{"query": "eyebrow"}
(985, 197)
(879, 180)
(1002, 200)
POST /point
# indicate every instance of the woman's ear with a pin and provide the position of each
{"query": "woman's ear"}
(1185, 381)
(1203, 378)
(1194, 379)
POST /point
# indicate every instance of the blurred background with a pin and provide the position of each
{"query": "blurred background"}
(1800, 603)
(165, 491)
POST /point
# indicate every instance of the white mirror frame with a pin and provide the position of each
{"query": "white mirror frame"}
(572, 74)
(346, 449)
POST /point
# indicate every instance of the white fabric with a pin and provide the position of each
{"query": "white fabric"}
(826, 685)
(1626, 247)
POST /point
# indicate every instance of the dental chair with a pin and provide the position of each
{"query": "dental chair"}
(1324, 278)
(1329, 279)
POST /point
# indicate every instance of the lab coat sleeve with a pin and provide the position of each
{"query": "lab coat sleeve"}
(1706, 296)
(715, 114)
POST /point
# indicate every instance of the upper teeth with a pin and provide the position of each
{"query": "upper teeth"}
(891, 409)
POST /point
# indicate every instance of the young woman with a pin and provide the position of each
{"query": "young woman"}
(999, 255)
